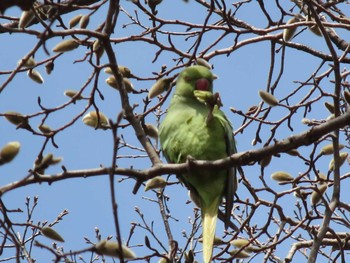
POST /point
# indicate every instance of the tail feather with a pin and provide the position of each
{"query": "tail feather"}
(209, 218)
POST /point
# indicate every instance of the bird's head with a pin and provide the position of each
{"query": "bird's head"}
(194, 78)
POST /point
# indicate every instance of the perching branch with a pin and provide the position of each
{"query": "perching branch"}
(239, 159)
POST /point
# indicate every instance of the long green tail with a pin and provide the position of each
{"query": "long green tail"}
(209, 218)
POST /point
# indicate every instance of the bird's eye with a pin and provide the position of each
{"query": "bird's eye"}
(187, 78)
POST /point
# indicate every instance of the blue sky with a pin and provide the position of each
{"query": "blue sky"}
(241, 75)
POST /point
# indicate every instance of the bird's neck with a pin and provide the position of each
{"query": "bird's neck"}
(190, 100)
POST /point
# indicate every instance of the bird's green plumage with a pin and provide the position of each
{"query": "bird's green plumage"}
(195, 128)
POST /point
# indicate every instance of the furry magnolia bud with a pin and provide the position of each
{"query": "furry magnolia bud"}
(154, 183)
(314, 29)
(240, 254)
(204, 63)
(125, 71)
(75, 20)
(84, 21)
(316, 196)
(96, 120)
(9, 152)
(35, 76)
(112, 249)
(241, 242)
(329, 106)
(289, 32)
(159, 87)
(49, 159)
(49, 66)
(217, 241)
(151, 131)
(343, 156)
(128, 85)
(73, 94)
(15, 118)
(111, 81)
(322, 178)
(98, 48)
(189, 256)
(26, 18)
(163, 260)
(300, 194)
(55, 160)
(305, 121)
(268, 98)
(44, 129)
(293, 152)
(29, 63)
(281, 176)
(329, 149)
(66, 45)
(52, 234)
(265, 161)
(42, 164)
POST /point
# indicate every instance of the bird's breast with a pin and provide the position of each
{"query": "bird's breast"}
(188, 133)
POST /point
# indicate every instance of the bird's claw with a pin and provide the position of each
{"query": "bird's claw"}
(209, 99)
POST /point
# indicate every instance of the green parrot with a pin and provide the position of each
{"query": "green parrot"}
(195, 127)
